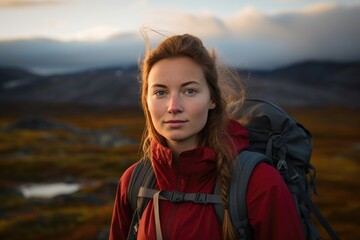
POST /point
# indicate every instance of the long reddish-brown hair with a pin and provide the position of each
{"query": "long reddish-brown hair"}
(214, 132)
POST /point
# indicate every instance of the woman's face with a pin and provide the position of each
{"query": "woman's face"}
(178, 100)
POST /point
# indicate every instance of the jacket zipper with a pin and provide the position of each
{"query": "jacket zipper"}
(173, 210)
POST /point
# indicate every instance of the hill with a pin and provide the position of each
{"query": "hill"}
(304, 84)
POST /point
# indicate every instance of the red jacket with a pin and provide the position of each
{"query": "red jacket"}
(271, 209)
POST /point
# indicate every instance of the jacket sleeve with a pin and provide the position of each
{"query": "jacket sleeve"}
(122, 214)
(271, 208)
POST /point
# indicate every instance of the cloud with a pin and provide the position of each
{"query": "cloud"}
(323, 32)
(96, 33)
(26, 3)
(249, 38)
(46, 56)
(202, 25)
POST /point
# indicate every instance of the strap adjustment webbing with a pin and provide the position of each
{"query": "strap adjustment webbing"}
(179, 197)
(174, 197)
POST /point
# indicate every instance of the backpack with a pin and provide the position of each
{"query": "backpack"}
(275, 138)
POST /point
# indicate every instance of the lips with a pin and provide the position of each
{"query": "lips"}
(175, 123)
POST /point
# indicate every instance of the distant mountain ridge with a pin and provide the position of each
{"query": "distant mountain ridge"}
(308, 83)
(112, 86)
(319, 72)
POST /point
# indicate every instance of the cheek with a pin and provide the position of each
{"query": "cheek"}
(154, 110)
(200, 113)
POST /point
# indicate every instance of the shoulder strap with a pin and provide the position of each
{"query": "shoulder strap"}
(246, 162)
(143, 175)
(244, 165)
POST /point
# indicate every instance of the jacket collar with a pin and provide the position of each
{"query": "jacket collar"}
(201, 159)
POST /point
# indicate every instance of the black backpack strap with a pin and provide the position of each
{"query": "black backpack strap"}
(246, 162)
(143, 175)
(316, 212)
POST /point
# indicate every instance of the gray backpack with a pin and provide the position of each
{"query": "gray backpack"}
(275, 138)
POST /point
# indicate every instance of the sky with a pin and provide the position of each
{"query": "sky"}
(58, 36)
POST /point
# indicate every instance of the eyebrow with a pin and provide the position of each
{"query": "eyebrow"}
(182, 85)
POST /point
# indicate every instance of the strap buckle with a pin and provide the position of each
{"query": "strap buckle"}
(177, 197)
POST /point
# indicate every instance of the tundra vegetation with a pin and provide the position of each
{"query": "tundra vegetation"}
(93, 148)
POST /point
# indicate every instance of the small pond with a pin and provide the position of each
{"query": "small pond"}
(48, 190)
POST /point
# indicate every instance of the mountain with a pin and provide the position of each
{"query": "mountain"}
(110, 86)
(304, 84)
(308, 83)
(12, 77)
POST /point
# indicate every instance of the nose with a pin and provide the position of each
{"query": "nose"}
(175, 104)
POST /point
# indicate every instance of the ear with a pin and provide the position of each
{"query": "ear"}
(212, 105)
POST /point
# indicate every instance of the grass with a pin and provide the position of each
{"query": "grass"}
(58, 154)
(336, 155)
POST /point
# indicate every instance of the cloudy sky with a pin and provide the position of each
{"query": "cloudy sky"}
(55, 36)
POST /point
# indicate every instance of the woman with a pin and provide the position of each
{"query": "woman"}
(190, 140)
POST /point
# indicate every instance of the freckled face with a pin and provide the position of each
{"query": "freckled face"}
(179, 100)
